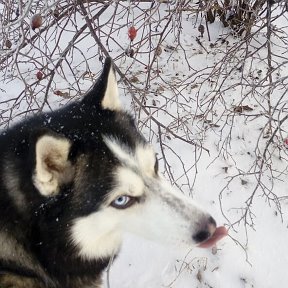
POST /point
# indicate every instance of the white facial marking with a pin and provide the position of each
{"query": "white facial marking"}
(143, 159)
(100, 234)
(128, 183)
(97, 235)
(120, 151)
(166, 216)
(145, 156)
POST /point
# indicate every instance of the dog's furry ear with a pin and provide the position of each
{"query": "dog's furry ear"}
(52, 167)
(105, 92)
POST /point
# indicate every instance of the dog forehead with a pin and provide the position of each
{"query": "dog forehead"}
(146, 158)
(127, 182)
(142, 157)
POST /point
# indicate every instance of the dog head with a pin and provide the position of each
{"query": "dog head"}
(92, 151)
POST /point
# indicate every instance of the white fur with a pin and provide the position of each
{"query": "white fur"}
(51, 150)
(146, 158)
(166, 216)
(105, 238)
(143, 159)
(121, 152)
(97, 235)
(128, 183)
(162, 214)
(111, 98)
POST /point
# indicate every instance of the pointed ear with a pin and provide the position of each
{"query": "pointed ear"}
(111, 96)
(52, 168)
(105, 91)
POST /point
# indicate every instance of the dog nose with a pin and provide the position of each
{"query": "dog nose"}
(206, 231)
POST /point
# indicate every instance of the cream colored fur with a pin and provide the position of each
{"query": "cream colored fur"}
(111, 99)
(52, 165)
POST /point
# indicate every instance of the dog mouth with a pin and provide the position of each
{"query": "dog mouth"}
(218, 234)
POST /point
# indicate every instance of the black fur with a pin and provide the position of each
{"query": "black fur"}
(39, 227)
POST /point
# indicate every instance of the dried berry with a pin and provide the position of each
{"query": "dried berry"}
(56, 13)
(201, 29)
(61, 94)
(158, 51)
(36, 21)
(8, 43)
(130, 52)
(132, 32)
(39, 75)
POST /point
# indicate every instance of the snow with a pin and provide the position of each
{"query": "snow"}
(223, 180)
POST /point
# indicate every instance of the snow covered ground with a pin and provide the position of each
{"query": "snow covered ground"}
(198, 104)
(256, 254)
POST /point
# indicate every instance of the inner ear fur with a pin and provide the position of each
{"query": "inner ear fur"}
(111, 98)
(52, 167)
(105, 92)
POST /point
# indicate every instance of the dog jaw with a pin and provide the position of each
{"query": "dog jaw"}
(97, 235)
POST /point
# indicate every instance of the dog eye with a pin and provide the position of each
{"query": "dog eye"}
(123, 202)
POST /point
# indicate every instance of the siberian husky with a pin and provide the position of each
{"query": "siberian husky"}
(72, 182)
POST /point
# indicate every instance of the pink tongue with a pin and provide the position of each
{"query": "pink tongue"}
(219, 233)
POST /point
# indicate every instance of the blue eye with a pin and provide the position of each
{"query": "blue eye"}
(123, 202)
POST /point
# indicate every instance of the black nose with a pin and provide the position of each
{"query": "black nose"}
(201, 236)
(206, 231)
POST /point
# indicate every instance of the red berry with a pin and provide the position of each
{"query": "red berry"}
(39, 75)
(132, 32)
(286, 141)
